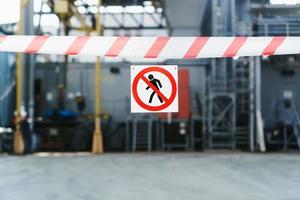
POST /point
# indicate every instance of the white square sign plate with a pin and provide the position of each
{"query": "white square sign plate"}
(154, 88)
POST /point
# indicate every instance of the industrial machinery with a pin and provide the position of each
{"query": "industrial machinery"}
(286, 132)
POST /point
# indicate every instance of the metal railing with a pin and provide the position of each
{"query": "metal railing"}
(278, 29)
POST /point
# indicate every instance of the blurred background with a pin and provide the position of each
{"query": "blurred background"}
(245, 104)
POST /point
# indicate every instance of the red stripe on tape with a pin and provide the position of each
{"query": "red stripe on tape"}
(157, 47)
(36, 44)
(117, 47)
(2, 37)
(196, 47)
(235, 46)
(77, 45)
(273, 46)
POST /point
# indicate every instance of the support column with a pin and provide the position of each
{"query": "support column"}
(18, 144)
(97, 147)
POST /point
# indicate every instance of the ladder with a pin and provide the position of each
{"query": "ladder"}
(244, 88)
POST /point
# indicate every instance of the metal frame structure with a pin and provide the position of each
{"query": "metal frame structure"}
(230, 88)
(138, 18)
(221, 97)
(221, 120)
(139, 134)
(111, 20)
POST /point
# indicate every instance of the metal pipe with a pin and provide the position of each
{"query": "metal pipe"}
(259, 121)
(252, 103)
(30, 62)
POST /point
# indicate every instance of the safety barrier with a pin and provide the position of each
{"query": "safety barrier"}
(152, 47)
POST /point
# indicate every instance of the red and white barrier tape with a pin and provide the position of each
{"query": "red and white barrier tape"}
(152, 47)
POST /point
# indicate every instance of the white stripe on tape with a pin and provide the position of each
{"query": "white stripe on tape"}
(153, 47)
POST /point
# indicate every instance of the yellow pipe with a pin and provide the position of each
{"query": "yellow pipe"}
(97, 147)
(18, 144)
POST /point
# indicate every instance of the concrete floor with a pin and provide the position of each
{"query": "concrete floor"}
(196, 176)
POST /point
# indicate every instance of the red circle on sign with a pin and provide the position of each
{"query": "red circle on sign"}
(139, 77)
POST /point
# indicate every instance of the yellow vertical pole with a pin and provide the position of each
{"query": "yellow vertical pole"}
(18, 145)
(97, 146)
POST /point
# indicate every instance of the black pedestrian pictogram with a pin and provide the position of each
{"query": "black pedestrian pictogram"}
(157, 84)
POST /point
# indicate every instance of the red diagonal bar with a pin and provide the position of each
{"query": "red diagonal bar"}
(157, 47)
(196, 47)
(273, 46)
(77, 45)
(235, 46)
(117, 47)
(2, 37)
(36, 44)
(155, 89)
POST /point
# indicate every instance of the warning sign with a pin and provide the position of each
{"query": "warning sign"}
(154, 89)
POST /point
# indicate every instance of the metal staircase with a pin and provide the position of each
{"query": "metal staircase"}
(290, 123)
(296, 127)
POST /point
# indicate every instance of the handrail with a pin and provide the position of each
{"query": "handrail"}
(7, 91)
(278, 28)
